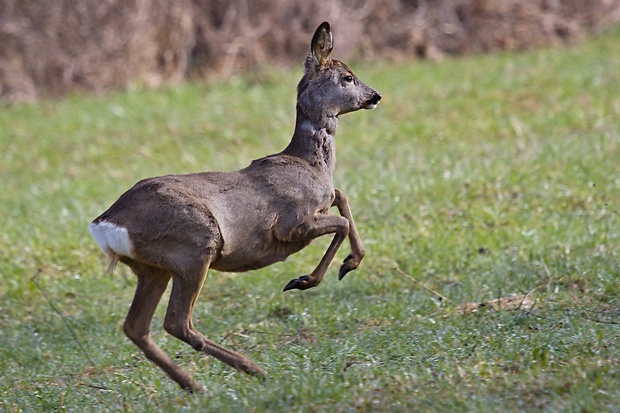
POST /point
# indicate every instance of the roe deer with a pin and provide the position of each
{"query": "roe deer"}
(178, 226)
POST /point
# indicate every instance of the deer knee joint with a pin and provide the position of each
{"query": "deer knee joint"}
(346, 227)
(175, 328)
(199, 346)
(135, 333)
(361, 253)
(341, 198)
(129, 331)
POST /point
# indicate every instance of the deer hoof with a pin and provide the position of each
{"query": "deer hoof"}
(195, 388)
(300, 283)
(347, 266)
(257, 372)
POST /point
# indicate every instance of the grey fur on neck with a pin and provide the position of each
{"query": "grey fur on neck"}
(314, 142)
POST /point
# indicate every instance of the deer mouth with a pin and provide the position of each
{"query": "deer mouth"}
(372, 102)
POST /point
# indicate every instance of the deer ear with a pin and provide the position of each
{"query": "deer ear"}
(322, 44)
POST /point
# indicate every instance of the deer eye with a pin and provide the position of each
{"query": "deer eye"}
(348, 78)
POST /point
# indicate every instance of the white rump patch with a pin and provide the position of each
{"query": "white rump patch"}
(111, 237)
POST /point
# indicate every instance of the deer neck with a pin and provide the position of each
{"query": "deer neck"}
(313, 140)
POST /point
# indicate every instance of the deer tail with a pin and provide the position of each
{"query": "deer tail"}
(113, 260)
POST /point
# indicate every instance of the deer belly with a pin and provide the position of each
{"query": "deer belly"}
(253, 256)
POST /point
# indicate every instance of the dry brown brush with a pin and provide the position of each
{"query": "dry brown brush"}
(48, 47)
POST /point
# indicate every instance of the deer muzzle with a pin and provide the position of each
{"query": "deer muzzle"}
(373, 101)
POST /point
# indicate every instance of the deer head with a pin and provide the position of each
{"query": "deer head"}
(329, 87)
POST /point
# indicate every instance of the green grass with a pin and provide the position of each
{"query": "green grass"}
(481, 177)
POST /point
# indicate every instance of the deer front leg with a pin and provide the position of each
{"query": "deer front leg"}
(357, 249)
(320, 225)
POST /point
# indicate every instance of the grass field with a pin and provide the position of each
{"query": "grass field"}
(479, 177)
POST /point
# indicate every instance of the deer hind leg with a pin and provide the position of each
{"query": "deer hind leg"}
(320, 225)
(352, 261)
(152, 283)
(185, 289)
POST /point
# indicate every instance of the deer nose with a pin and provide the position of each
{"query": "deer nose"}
(373, 101)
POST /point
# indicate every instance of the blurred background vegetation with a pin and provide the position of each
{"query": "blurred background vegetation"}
(50, 47)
